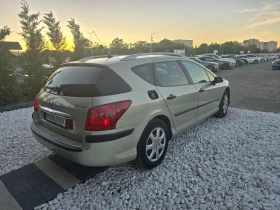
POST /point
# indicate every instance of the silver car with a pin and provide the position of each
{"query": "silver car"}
(110, 110)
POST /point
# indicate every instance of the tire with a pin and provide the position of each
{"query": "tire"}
(211, 68)
(144, 157)
(246, 62)
(255, 62)
(225, 66)
(223, 107)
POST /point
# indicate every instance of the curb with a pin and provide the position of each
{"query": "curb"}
(12, 107)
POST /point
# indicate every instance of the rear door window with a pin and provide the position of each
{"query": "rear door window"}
(73, 81)
(170, 74)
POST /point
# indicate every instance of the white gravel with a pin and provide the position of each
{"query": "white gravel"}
(233, 163)
(17, 145)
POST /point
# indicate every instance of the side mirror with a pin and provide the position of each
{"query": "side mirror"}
(218, 80)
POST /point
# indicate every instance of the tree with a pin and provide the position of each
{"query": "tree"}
(139, 47)
(202, 49)
(55, 34)
(56, 37)
(118, 46)
(4, 32)
(34, 40)
(80, 42)
(9, 90)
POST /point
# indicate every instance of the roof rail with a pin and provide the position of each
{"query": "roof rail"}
(134, 56)
(95, 57)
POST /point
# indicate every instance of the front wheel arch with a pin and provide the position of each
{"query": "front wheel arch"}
(228, 91)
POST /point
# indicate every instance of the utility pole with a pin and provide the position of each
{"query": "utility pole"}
(152, 39)
(91, 43)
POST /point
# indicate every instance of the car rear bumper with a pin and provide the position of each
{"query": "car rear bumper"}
(276, 67)
(105, 149)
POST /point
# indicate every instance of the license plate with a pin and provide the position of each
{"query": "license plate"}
(56, 119)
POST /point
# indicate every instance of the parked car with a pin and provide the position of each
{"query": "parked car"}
(223, 64)
(276, 64)
(112, 110)
(239, 61)
(272, 57)
(255, 59)
(242, 58)
(48, 68)
(213, 66)
(232, 61)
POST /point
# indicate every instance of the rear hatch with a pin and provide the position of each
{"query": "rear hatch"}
(66, 99)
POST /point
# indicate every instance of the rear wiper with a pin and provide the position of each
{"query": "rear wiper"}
(54, 89)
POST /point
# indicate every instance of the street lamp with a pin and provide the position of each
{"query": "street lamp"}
(152, 41)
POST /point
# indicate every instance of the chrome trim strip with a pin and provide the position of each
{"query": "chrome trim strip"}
(51, 111)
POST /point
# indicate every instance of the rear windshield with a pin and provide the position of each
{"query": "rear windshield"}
(73, 81)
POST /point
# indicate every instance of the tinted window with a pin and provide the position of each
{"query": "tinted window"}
(145, 72)
(73, 81)
(196, 72)
(109, 83)
(170, 74)
(209, 59)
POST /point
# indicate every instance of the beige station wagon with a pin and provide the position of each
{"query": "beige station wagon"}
(108, 110)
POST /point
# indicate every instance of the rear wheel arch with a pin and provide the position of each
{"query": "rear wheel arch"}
(166, 121)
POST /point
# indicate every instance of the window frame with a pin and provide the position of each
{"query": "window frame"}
(157, 83)
(198, 64)
(145, 64)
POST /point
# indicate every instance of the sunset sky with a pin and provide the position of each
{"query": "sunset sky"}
(200, 20)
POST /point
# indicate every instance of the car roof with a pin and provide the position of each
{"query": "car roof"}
(147, 57)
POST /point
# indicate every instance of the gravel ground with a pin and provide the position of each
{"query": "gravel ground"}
(17, 145)
(233, 163)
(254, 87)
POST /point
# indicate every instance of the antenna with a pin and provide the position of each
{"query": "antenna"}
(97, 37)
(109, 56)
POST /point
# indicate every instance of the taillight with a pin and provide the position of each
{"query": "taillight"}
(105, 117)
(36, 105)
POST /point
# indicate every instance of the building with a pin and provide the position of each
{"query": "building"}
(263, 46)
(188, 43)
(268, 46)
(249, 42)
(11, 45)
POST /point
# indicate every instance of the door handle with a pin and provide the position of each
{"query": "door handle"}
(201, 90)
(171, 97)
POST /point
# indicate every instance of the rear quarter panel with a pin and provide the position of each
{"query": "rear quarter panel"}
(142, 109)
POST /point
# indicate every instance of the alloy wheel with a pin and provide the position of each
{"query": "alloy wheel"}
(155, 144)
